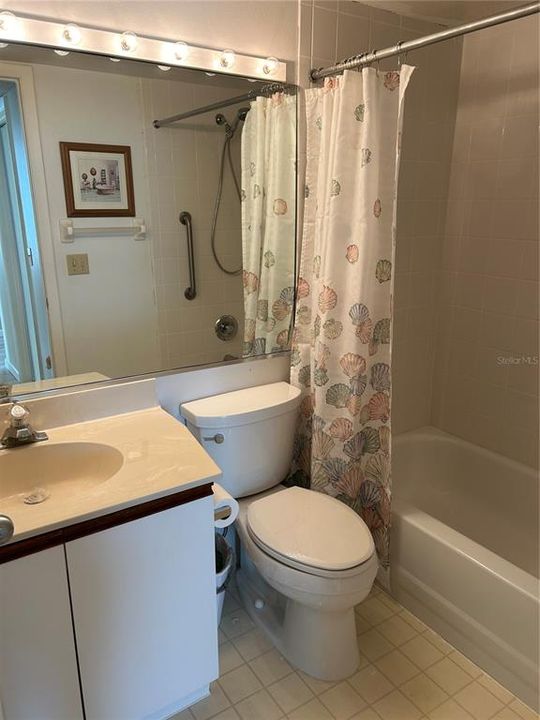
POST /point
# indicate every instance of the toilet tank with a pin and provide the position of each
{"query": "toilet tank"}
(249, 434)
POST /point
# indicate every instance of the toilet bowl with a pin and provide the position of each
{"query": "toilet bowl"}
(306, 558)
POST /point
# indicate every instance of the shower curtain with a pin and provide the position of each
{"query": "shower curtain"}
(342, 336)
(268, 222)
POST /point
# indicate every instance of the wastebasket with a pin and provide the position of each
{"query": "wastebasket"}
(224, 563)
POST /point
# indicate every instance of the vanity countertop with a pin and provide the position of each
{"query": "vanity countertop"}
(132, 458)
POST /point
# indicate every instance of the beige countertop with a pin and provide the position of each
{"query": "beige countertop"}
(106, 465)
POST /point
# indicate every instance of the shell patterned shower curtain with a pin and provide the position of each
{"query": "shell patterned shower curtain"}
(342, 334)
(268, 222)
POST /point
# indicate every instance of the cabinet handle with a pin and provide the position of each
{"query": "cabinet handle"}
(217, 438)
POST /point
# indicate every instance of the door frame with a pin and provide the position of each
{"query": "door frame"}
(22, 75)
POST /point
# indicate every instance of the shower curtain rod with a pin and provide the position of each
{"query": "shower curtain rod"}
(401, 48)
(269, 89)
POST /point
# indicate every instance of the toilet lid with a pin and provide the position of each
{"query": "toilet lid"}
(311, 529)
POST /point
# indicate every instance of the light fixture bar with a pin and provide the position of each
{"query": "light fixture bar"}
(33, 31)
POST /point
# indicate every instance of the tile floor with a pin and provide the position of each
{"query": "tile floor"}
(407, 672)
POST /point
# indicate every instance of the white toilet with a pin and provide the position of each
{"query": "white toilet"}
(306, 558)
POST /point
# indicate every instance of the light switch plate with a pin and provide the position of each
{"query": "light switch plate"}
(77, 264)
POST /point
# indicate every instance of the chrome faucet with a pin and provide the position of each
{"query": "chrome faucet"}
(19, 431)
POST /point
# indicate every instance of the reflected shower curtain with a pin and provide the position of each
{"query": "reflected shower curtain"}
(268, 221)
(342, 335)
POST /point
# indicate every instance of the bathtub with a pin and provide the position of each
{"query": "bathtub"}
(464, 551)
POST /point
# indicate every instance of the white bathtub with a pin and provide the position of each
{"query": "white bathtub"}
(464, 554)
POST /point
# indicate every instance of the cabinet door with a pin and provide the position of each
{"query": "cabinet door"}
(144, 609)
(38, 665)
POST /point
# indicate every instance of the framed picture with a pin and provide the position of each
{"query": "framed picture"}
(98, 180)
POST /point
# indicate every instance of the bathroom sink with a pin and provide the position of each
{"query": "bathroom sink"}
(36, 472)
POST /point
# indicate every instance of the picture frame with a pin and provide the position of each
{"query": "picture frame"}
(98, 180)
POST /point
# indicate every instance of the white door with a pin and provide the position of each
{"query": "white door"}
(38, 665)
(144, 609)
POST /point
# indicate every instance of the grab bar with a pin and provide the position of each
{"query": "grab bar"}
(190, 293)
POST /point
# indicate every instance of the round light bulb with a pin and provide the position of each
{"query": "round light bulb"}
(227, 58)
(8, 22)
(114, 59)
(62, 53)
(71, 34)
(3, 45)
(269, 65)
(210, 74)
(165, 68)
(128, 41)
(181, 50)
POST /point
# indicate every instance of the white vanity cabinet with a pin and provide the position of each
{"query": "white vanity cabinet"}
(130, 610)
(38, 664)
(144, 612)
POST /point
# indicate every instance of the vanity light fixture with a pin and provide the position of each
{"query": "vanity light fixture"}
(62, 52)
(227, 59)
(128, 41)
(269, 65)
(210, 74)
(71, 34)
(66, 37)
(8, 23)
(165, 68)
(181, 50)
(3, 45)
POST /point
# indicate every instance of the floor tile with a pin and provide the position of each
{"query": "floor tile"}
(479, 702)
(522, 710)
(374, 611)
(413, 620)
(228, 714)
(290, 693)
(373, 645)
(342, 701)
(252, 644)
(230, 603)
(448, 675)
(184, 715)
(501, 693)
(465, 664)
(396, 706)
(214, 703)
(506, 714)
(240, 683)
(259, 706)
(313, 710)
(367, 714)
(421, 652)
(424, 693)
(397, 667)
(270, 666)
(236, 623)
(229, 658)
(450, 710)
(371, 684)
(438, 641)
(397, 630)
(362, 625)
(315, 685)
(389, 601)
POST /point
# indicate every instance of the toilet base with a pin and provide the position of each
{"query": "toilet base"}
(322, 644)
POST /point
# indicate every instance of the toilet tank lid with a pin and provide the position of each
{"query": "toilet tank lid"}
(242, 406)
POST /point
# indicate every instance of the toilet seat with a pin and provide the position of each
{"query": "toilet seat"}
(311, 532)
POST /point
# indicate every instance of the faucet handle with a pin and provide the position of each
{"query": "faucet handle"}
(18, 413)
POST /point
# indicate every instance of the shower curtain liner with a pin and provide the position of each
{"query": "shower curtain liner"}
(268, 222)
(342, 336)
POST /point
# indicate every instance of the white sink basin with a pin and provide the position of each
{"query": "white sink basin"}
(36, 472)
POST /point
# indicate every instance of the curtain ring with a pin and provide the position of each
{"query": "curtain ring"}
(376, 61)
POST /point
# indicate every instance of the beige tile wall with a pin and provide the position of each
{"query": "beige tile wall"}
(330, 31)
(182, 172)
(486, 379)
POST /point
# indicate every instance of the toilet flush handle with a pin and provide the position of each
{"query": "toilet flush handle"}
(217, 438)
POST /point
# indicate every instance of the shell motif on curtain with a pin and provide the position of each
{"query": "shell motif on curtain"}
(268, 222)
(341, 346)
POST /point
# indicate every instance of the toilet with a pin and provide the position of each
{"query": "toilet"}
(306, 559)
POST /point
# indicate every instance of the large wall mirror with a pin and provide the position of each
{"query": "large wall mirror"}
(127, 248)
